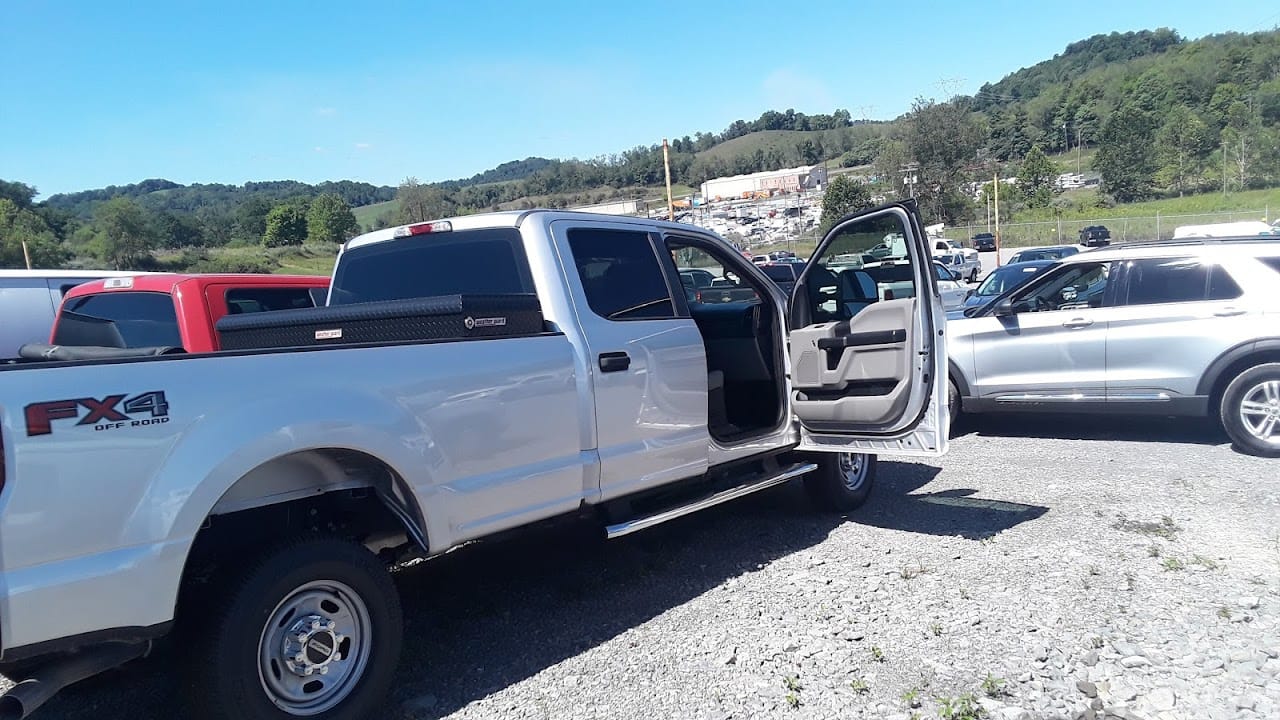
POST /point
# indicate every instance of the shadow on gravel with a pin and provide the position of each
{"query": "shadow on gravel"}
(1131, 428)
(951, 512)
(485, 617)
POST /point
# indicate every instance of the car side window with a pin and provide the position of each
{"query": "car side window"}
(1076, 286)
(620, 274)
(1152, 281)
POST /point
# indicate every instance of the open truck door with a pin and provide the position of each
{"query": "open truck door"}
(867, 354)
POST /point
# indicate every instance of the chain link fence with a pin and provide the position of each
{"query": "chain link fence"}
(1067, 232)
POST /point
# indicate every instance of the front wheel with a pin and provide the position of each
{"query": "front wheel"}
(842, 481)
(311, 630)
(1250, 410)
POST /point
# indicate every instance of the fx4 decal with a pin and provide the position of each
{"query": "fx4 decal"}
(102, 414)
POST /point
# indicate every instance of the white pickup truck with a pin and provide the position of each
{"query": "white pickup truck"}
(468, 376)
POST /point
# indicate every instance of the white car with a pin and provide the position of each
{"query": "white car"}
(950, 286)
(957, 257)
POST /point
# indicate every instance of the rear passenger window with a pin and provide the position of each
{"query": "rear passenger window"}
(121, 320)
(1173, 280)
(1271, 262)
(620, 274)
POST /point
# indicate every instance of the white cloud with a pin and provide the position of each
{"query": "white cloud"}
(363, 145)
(326, 111)
(320, 149)
(787, 88)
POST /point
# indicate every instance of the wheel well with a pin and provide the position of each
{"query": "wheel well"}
(1230, 372)
(331, 492)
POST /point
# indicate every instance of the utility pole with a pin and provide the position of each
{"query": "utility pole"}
(666, 164)
(1066, 139)
(997, 193)
(1077, 149)
(25, 254)
(1224, 168)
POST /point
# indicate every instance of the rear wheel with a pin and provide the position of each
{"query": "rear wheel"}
(1250, 410)
(312, 630)
(842, 481)
(953, 402)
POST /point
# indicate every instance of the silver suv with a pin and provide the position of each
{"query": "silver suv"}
(1167, 328)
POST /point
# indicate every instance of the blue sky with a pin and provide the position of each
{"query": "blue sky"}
(98, 93)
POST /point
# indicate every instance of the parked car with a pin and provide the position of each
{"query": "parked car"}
(29, 300)
(967, 267)
(174, 310)
(1168, 328)
(1055, 252)
(1000, 281)
(951, 286)
(466, 378)
(1095, 236)
(984, 242)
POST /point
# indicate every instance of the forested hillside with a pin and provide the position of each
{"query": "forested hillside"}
(1161, 115)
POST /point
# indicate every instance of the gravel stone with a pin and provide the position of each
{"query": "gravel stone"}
(1162, 699)
(1089, 689)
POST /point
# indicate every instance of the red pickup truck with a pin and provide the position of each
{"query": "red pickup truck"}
(174, 310)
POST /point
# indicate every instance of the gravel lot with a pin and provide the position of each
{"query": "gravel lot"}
(1088, 568)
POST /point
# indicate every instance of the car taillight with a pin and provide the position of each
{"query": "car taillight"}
(438, 226)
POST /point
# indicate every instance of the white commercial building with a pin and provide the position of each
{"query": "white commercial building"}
(766, 183)
(618, 207)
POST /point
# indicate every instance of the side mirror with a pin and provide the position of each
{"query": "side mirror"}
(1003, 307)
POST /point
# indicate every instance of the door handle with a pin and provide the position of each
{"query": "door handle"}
(1076, 323)
(614, 361)
(1229, 312)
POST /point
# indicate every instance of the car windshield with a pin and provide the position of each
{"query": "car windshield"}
(1007, 278)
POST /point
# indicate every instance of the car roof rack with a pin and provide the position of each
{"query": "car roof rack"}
(1179, 242)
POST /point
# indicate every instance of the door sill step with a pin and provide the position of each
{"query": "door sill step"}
(761, 483)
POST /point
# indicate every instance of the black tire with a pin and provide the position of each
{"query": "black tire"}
(1260, 387)
(973, 277)
(227, 680)
(842, 482)
(953, 404)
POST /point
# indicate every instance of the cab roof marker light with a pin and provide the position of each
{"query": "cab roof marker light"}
(438, 226)
(117, 283)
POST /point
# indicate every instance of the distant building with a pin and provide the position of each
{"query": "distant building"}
(617, 207)
(765, 183)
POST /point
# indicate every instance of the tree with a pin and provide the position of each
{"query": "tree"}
(944, 139)
(125, 233)
(1126, 155)
(420, 203)
(330, 220)
(178, 231)
(18, 225)
(1183, 142)
(1037, 178)
(286, 225)
(843, 196)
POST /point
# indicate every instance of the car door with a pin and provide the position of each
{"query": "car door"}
(867, 367)
(649, 368)
(951, 290)
(1047, 341)
(1174, 316)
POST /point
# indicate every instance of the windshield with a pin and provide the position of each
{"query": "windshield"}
(1005, 279)
(779, 273)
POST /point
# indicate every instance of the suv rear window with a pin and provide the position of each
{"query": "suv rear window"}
(485, 262)
(121, 320)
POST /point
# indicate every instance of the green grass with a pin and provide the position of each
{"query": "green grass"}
(1131, 221)
(366, 214)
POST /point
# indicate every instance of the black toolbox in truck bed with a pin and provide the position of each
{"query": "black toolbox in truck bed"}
(445, 317)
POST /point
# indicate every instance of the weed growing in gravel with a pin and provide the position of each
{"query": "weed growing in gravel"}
(792, 683)
(911, 698)
(1093, 570)
(1130, 582)
(793, 701)
(1172, 563)
(965, 707)
(993, 686)
(1224, 612)
(1153, 551)
(1097, 642)
(936, 629)
(964, 594)
(1165, 529)
(1205, 562)
(910, 573)
(877, 654)
(859, 686)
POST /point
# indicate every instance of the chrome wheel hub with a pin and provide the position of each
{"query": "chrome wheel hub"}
(311, 644)
(1260, 411)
